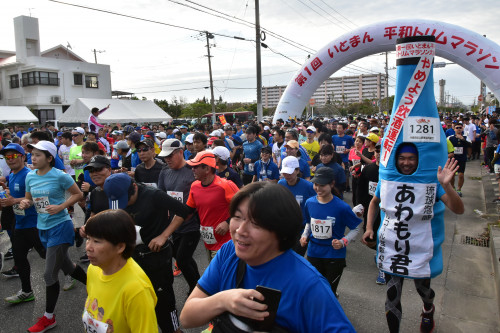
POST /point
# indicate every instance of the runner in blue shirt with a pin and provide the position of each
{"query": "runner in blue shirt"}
(300, 188)
(45, 190)
(251, 154)
(326, 219)
(265, 168)
(25, 235)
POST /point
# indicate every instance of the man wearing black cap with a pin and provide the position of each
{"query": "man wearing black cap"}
(149, 170)
(150, 207)
(176, 181)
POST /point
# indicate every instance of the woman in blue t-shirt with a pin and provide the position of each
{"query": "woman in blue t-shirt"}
(45, 189)
(260, 257)
(326, 219)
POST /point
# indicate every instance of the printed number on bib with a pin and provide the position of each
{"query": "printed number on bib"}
(41, 204)
(176, 195)
(356, 162)
(322, 229)
(207, 233)
(92, 325)
(339, 149)
(459, 150)
(17, 210)
(372, 186)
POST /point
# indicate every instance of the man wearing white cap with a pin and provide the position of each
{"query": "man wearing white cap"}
(300, 188)
(222, 157)
(176, 180)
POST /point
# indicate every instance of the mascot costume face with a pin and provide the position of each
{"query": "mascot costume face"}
(412, 228)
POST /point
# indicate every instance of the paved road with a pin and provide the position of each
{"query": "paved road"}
(361, 298)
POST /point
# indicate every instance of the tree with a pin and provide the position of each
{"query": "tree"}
(196, 109)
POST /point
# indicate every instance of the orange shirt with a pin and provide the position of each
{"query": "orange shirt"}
(212, 203)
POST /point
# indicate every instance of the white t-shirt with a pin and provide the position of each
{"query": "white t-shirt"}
(64, 155)
(469, 132)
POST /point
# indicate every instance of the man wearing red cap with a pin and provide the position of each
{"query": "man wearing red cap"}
(210, 195)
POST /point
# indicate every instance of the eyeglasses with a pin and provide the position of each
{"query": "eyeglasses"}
(143, 149)
(96, 170)
(12, 156)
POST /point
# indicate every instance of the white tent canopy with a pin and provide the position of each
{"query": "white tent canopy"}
(16, 114)
(120, 110)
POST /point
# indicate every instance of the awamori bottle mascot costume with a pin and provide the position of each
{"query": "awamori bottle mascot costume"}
(412, 227)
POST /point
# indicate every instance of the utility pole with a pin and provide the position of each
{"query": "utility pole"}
(387, 84)
(95, 54)
(259, 73)
(210, 36)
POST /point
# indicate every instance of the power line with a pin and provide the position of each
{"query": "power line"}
(329, 14)
(251, 25)
(339, 14)
(147, 20)
(204, 81)
(326, 18)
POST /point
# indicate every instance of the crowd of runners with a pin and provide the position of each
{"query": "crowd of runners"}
(177, 185)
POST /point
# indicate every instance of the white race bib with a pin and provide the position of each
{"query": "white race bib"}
(41, 204)
(176, 195)
(372, 186)
(17, 210)
(322, 229)
(459, 150)
(92, 325)
(356, 162)
(250, 167)
(207, 233)
(339, 149)
(421, 129)
(153, 185)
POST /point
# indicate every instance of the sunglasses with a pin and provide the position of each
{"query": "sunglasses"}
(12, 156)
(73, 135)
(95, 170)
(458, 127)
(143, 149)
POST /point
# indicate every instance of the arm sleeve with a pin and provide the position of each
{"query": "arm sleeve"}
(94, 121)
(101, 111)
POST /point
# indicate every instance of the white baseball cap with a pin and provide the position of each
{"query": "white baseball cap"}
(189, 138)
(161, 135)
(214, 133)
(289, 164)
(312, 128)
(46, 146)
(221, 152)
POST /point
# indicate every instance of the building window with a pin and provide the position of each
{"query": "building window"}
(40, 78)
(14, 81)
(91, 81)
(77, 79)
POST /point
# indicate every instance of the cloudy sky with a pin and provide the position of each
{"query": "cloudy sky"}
(155, 60)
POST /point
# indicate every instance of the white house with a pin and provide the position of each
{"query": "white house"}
(47, 82)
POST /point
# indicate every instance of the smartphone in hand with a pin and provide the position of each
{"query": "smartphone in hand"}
(272, 300)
